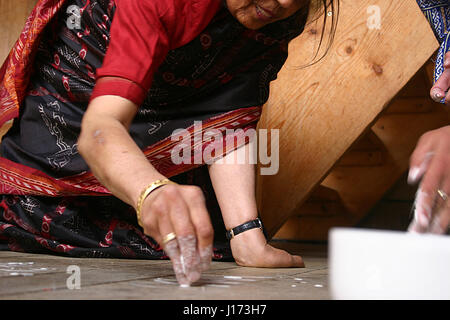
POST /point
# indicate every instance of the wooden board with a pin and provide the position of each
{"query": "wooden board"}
(361, 183)
(13, 14)
(321, 110)
(38, 277)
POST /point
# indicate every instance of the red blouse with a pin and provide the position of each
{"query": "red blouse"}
(142, 33)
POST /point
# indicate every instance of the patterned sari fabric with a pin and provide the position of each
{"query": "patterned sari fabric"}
(438, 14)
(93, 227)
(50, 201)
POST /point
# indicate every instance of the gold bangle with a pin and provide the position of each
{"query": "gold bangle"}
(145, 193)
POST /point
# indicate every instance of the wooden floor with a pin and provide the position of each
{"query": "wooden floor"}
(33, 276)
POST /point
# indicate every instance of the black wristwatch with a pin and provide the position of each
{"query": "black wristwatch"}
(244, 227)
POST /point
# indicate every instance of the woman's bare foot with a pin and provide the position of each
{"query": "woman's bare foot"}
(250, 249)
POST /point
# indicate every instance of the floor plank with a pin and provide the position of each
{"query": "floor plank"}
(31, 276)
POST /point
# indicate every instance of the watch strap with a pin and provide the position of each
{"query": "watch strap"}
(244, 227)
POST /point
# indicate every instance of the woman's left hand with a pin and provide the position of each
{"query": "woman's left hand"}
(430, 163)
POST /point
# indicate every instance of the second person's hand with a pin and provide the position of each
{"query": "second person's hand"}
(430, 164)
(439, 92)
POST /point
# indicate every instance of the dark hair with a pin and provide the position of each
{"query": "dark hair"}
(327, 8)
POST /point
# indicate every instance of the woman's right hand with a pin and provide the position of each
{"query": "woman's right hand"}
(180, 209)
(114, 157)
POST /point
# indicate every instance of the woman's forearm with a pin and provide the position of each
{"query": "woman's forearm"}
(234, 186)
(112, 155)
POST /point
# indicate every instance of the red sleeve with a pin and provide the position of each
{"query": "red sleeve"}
(142, 32)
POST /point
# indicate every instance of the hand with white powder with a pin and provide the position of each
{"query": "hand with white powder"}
(430, 164)
(176, 217)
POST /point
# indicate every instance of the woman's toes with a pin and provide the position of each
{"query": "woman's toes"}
(297, 261)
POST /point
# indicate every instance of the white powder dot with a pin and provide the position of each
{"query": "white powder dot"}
(232, 277)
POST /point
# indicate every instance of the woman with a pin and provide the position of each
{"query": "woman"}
(110, 82)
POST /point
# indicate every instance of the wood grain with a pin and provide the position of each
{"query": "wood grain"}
(323, 109)
(13, 14)
(361, 185)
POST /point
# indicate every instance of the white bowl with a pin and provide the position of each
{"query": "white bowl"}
(389, 265)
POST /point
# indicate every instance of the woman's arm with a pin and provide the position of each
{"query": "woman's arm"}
(121, 166)
(234, 186)
(109, 150)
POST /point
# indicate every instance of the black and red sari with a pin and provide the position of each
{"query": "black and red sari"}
(49, 199)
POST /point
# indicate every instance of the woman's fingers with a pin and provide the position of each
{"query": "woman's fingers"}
(441, 220)
(422, 166)
(440, 88)
(173, 251)
(202, 224)
(180, 215)
(159, 227)
(419, 167)
(181, 210)
(421, 157)
(427, 194)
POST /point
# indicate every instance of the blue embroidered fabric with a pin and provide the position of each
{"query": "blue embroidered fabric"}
(438, 14)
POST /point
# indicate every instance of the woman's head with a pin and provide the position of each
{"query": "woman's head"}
(255, 14)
